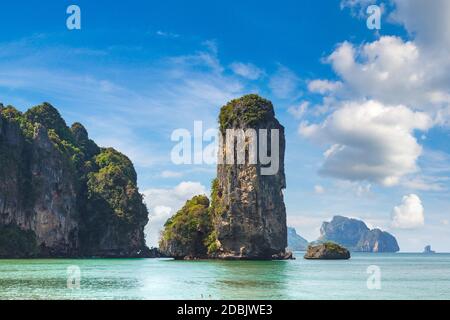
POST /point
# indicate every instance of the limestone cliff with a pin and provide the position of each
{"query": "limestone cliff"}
(356, 236)
(62, 192)
(248, 207)
(247, 215)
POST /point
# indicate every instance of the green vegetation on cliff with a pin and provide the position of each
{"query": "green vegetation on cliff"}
(113, 183)
(246, 218)
(49, 117)
(247, 110)
(110, 210)
(189, 232)
(113, 201)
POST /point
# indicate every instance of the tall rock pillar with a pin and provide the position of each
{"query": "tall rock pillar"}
(249, 214)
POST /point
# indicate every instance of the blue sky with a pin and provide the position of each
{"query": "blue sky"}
(366, 112)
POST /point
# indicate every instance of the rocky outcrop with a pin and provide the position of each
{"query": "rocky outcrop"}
(247, 217)
(427, 250)
(295, 241)
(60, 189)
(248, 207)
(327, 251)
(356, 236)
(186, 234)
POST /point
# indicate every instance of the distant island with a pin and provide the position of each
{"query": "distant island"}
(245, 218)
(295, 241)
(356, 236)
(61, 195)
(427, 250)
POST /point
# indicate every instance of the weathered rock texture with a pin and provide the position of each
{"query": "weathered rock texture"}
(247, 215)
(295, 241)
(356, 236)
(249, 211)
(327, 251)
(59, 190)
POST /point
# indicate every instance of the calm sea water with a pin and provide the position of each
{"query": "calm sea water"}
(403, 276)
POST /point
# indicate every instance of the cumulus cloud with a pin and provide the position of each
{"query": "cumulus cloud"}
(389, 70)
(415, 72)
(369, 141)
(246, 70)
(409, 79)
(163, 203)
(409, 214)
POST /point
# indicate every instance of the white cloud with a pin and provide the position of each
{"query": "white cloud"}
(324, 86)
(284, 83)
(246, 70)
(409, 214)
(166, 34)
(163, 203)
(171, 174)
(415, 73)
(319, 189)
(369, 141)
(299, 111)
(389, 70)
(429, 21)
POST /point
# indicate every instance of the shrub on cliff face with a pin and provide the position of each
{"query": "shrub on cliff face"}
(187, 233)
(15, 116)
(50, 118)
(113, 202)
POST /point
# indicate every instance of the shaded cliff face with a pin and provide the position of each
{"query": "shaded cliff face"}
(356, 236)
(248, 208)
(51, 177)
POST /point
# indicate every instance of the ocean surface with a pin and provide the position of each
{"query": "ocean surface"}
(401, 276)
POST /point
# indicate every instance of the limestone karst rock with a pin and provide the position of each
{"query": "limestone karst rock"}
(327, 251)
(248, 207)
(247, 213)
(60, 194)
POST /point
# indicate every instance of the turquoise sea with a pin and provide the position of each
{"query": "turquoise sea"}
(402, 276)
